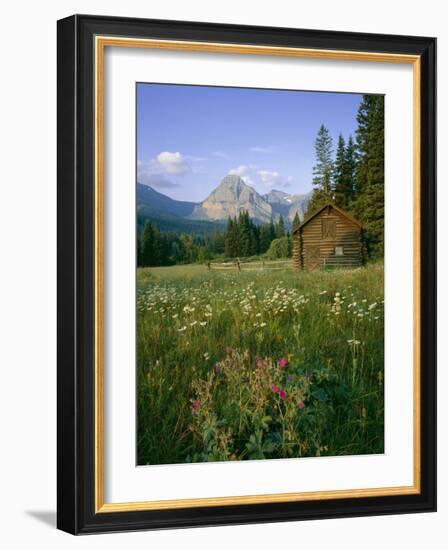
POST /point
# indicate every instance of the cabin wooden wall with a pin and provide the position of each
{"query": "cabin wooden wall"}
(296, 251)
(313, 249)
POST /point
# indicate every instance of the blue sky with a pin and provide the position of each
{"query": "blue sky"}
(190, 137)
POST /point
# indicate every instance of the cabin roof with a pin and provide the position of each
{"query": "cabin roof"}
(319, 210)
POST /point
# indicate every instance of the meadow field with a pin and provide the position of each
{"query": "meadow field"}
(258, 364)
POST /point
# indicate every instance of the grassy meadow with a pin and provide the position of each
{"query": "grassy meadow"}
(259, 364)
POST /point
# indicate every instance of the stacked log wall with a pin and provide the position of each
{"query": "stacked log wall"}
(348, 235)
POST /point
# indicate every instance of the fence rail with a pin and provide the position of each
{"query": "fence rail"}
(241, 265)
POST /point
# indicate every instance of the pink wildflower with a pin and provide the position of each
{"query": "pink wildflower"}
(300, 405)
(282, 362)
(196, 405)
(282, 394)
(229, 349)
(274, 388)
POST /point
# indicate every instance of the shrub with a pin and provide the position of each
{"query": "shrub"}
(280, 248)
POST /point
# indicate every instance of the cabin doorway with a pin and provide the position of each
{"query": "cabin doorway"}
(313, 257)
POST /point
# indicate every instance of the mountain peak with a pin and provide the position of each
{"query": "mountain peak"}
(232, 183)
(231, 197)
(275, 195)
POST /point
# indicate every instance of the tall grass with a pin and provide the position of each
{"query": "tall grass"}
(234, 366)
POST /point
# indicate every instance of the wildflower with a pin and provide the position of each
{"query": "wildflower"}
(259, 363)
(282, 362)
(202, 323)
(218, 368)
(229, 349)
(206, 355)
(300, 404)
(196, 405)
(175, 316)
(262, 324)
(193, 323)
(282, 394)
(274, 388)
(182, 329)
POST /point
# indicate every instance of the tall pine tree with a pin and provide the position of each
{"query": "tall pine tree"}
(344, 173)
(147, 242)
(295, 223)
(231, 240)
(265, 238)
(369, 206)
(280, 228)
(322, 170)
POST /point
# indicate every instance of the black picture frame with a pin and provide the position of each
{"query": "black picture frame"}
(76, 254)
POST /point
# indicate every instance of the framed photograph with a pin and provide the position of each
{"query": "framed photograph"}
(246, 274)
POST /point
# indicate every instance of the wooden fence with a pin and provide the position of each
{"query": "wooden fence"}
(246, 265)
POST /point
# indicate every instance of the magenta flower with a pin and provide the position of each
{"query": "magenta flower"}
(229, 349)
(300, 405)
(274, 388)
(282, 362)
(196, 405)
(282, 394)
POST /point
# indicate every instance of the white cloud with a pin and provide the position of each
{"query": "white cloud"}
(267, 177)
(173, 163)
(241, 170)
(248, 180)
(154, 172)
(270, 179)
(147, 176)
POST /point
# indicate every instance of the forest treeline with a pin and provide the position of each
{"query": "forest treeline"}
(241, 238)
(352, 177)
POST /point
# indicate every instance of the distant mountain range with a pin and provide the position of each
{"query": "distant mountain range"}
(231, 197)
(287, 205)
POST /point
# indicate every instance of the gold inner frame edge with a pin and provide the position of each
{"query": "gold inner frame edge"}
(101, 42)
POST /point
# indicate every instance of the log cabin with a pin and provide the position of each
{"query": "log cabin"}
(329, 237)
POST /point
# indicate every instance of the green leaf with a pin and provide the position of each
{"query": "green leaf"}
(320, 394)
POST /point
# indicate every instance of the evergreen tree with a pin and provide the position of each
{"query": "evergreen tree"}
(244, 234)
(147, 245)
(280, 228)
(254, 239)
(271, 231)
(295, 222)
(344, 173)
(265, 238)
(157, 248)
(369, 187)
(322, 170)
(217, 242)
(139, 253)
(231, 239)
